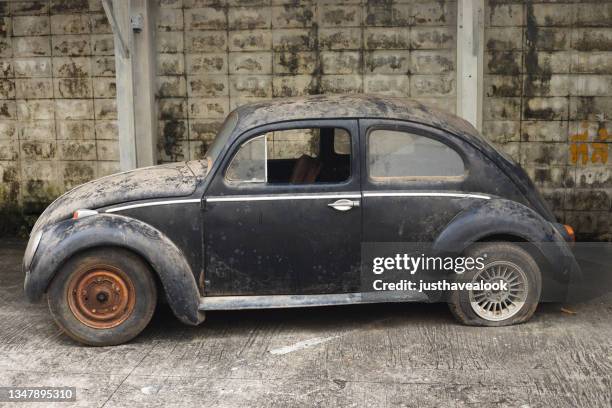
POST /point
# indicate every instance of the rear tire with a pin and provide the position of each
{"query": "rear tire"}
(103, 297)
(503, 261)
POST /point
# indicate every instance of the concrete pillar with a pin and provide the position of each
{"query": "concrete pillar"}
(133, 23)
(470, 60)
(144, 76)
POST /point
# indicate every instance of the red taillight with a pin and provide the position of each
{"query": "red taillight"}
(570, 232)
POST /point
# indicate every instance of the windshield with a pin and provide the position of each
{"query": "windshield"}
(222, 137)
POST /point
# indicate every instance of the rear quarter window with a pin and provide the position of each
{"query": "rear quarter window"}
(397, 155)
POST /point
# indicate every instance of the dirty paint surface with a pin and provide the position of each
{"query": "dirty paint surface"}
(361, 356)
(359, 106)
(170, 180)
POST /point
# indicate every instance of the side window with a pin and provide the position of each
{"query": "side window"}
(294, 156)
(397, 154)
(342, 142)
(248, 165)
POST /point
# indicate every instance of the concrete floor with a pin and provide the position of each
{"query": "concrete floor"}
(369, 355)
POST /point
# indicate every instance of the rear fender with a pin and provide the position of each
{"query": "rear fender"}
(505, 217)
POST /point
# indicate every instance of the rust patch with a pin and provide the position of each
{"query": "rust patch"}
(101, 297)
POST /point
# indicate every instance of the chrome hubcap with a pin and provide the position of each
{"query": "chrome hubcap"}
(498, 305)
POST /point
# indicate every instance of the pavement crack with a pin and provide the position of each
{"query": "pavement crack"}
(129, 374)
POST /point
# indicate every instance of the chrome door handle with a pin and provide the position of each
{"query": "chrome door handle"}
(344, 204)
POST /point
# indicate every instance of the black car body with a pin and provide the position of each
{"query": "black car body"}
(218, 243)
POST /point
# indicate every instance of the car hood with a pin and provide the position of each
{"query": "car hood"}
(170, 180)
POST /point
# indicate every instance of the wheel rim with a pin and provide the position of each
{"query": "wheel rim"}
(101, 297)
(503, 304)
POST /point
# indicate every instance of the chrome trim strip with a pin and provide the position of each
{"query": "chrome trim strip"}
(290, 301)
(295, 197)
(432, 194)
(280, 197)
(151, 204)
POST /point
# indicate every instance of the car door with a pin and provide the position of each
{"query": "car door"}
(281, 217)
(415, 180)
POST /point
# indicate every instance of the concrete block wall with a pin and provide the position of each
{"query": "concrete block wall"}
(216, 55)
(57, 100)
(547, 83)
(548, 101)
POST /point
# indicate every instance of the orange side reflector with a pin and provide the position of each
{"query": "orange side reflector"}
(570, 232)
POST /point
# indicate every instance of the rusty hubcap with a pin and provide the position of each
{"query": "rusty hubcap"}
(101, 297)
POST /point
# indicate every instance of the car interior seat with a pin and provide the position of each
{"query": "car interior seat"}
(306, 170)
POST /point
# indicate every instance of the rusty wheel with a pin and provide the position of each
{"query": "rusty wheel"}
(101, 297)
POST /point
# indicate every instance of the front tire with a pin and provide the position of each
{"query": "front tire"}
(504, 262)
(103, 297)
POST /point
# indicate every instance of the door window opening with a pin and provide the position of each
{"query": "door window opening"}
(294, 156)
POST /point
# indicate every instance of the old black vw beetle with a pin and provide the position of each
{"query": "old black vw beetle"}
(276, 214)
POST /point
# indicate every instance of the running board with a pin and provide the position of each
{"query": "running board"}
(287, 301)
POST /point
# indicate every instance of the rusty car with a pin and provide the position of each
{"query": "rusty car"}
(276, 213)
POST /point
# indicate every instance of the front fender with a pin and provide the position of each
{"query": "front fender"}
(505, 217)
(65, 239)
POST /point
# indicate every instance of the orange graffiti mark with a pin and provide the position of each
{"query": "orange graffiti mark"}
(600, 153)
(579, 150)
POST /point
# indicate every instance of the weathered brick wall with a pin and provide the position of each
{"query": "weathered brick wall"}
(57, 106)
(548, 101)
(548, 83)
(216, 55)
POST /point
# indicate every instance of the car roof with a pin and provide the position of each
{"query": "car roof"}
(361, 106)
(353, 106)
